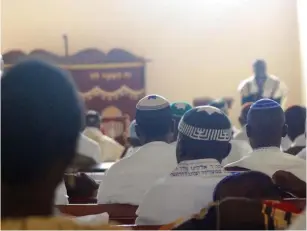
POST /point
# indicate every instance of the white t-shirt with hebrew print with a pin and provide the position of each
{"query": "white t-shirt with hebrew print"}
(187, 190)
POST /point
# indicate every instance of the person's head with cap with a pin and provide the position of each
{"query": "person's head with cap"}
(153, 119)
(178, 110)
(296, 121)
(220, 104)
(92, 119)
(41, 120)
(133, 138)
(244, 111)
(265, 124)
(260, 69)
(204, 133)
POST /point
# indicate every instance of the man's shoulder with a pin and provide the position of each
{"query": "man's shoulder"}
(243, 83)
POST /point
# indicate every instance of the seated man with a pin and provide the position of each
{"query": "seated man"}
(127, 180)
(178, 110)
(265, 127)
(203, 142)
(111, 150)
(296, 121)
(37, 149)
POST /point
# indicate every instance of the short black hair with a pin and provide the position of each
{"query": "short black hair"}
(296, 120)
(154, 123)
(41, 120)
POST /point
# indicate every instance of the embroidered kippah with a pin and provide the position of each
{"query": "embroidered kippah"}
(264, 104)
(179, 108)
(152, 103)
(206, 123)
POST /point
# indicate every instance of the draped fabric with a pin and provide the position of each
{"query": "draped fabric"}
(110, 83)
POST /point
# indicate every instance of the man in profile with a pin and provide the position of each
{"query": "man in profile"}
(262, 85)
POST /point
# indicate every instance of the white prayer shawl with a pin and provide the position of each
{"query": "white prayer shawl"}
(249, 86)
(239, 149)
(269, 160)
(60, 197)
(131, 151)
(127, 180)
(299, 223)
(241, 135)
(299, 141)
(285, 143)
(187, 190)
(89, 148)
(111, 150)
(302, 154)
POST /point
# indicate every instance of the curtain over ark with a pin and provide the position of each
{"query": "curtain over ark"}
(110, 83)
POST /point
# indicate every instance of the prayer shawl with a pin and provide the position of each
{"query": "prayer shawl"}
(239, 149)
(285, 143)
(184, 192)
(50, 223)
(110, 149)
(127, 181)
(298, 145)
(60, 197)
(302, 154)
(273, 88)
(89, 148)
(242, 214)
(270, 160)
(241, 135)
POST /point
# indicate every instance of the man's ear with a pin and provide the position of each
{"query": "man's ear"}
(248, 131)
(284, 130)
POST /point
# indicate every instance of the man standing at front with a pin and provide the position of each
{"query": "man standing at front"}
(262, 85)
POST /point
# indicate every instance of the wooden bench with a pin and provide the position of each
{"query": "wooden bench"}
(122, 213)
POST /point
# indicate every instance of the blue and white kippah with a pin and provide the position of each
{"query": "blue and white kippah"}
(152, 103)
(206, 123)
(264, 104)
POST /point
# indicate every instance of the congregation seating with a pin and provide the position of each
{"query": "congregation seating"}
(122, 213)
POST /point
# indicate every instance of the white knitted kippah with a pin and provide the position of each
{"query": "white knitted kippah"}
(152, 103)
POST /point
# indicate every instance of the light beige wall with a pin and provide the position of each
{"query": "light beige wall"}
(302, 22)
(197, 48)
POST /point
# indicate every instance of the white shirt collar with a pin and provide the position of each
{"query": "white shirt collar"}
(200, 167)
(299, 141)
(266, 149)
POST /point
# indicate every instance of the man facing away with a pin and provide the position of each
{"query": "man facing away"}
(203, 142)
(110, 149)
(262, 85)
(37, 149)
(296, 121)
(127, 180)
(265, 128)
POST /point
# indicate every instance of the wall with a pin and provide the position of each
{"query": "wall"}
(302, 22)
(197, 48)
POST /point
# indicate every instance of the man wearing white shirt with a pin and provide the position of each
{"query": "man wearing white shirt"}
(127, 180)
(265, 127)
(203, 142)
(296, 121)
(110, 149)
(262, 85)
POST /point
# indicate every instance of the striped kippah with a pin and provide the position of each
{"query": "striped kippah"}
(179, 108)
(205, 123)
(152, 103)
(265, 104)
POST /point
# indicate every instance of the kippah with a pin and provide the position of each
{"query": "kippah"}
(92, 117)
(179, 108)
(264, 104)
(205, 123)
(92, 113)
(132, 132)
(152, 103)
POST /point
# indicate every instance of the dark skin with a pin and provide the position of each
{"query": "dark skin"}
(144, 138)
(28, 203)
